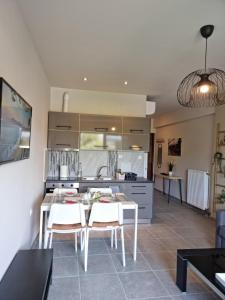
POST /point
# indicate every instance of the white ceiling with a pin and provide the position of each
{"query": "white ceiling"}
(152, 44)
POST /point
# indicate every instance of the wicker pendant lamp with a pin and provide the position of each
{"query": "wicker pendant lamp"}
(205, 87)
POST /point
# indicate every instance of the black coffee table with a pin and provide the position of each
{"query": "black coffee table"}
(205, 263)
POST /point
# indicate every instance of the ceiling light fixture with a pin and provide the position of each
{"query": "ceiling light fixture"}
(125, 83)
(85, 79)
(205, 87)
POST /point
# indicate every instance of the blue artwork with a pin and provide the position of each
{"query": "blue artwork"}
(15, 126)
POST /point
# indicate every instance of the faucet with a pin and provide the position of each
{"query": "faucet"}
(98, 175)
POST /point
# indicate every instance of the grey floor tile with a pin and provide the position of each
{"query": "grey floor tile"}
(205, 296)
(64, 249)
(142, 285)
(97, 264)
(65, 266)
(168, 279)
(131, 265)
(97, 246)
(161, 260)
(64, 289)
(101, 287)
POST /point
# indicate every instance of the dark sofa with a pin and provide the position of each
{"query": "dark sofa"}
(220, 228)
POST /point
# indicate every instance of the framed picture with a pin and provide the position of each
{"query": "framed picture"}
(15, 125)
(174, 147)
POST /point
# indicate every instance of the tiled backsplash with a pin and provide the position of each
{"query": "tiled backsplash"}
(91, 161)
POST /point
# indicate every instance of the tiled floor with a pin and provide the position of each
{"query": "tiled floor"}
(152, 276)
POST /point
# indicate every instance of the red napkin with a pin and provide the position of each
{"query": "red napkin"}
(70, 202)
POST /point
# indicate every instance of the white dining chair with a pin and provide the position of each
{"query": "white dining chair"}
(61, 191)
(105, 217)
(66, 218)
(106, 191)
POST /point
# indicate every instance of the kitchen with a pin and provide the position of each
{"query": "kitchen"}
(87, 150)
(85, 70)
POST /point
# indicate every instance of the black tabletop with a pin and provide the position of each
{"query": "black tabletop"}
(27, 275)
(208, 262)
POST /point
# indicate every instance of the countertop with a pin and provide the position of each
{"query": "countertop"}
(80, 180)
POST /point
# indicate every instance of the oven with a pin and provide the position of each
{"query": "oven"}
(50, 186)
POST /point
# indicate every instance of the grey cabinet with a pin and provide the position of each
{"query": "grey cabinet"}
(100, 123)
(63, 121)
(136, 125)
(135, 142)
(62, 139)
(100, 141)
(142, 194)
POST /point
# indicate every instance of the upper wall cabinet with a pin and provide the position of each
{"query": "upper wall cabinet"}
(135, 142)
(63, 121)
(135, 125)
(100, 123)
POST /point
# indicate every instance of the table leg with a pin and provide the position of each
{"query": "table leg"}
(181, 279)
(135, 231)
(40, 229)
(163, 186)
(169, 192)
(180, 188)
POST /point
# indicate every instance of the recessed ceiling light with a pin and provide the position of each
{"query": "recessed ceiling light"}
(125, 82)
(85, 78)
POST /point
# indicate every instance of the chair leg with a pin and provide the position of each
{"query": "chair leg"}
(115, 232)
(86, 240)
(46, 240)
(82, 240)
(112, 235)
(50, 243)
(123, 247)
(76, 242)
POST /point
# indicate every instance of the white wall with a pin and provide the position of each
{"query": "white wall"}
(21, 183)
(196, 131)
(95, 102)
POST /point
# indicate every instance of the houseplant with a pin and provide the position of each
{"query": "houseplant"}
(171, 167)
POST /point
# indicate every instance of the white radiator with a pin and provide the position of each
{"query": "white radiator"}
(198, 189)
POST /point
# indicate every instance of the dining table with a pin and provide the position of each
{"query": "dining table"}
(51, 198)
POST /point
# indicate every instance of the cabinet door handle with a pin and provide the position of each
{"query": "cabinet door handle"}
(138, 193)
(104, 129)
(63, 145)
(136, 147)
(136, 130)
(63, 126)
(141, 207)
(138, 186)
(103, 146)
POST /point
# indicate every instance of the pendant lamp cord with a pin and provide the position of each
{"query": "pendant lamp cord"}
(206, 46)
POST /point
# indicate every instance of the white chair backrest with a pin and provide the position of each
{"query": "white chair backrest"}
(101, 190)
(106, 212)
(66, 214)
(61, 191)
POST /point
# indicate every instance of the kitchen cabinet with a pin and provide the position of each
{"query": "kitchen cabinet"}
(135, 142)
(63, 139)
(142, 194)
(100, 123)
(136, 125)
(63, 121)
(100, 141)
